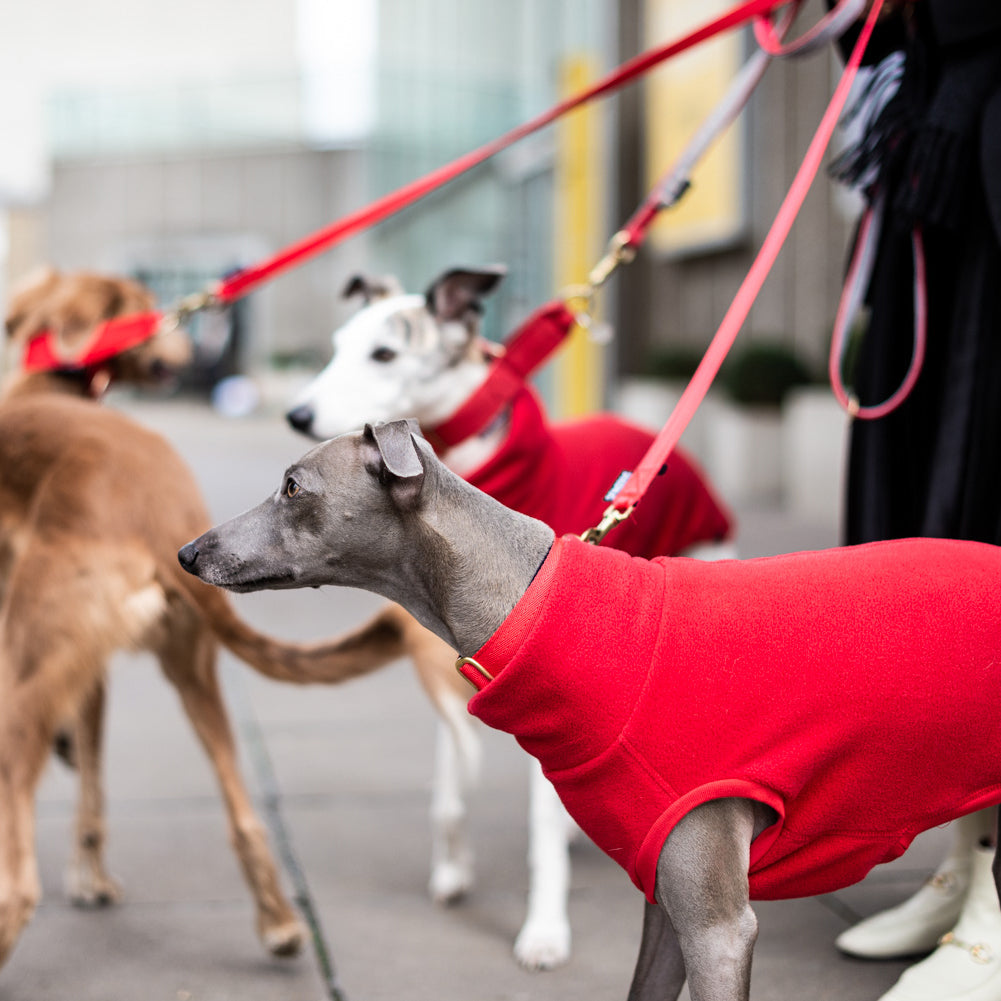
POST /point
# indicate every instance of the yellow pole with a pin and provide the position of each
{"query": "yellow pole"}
(579, 376)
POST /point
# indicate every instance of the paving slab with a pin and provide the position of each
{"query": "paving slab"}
(343, 774)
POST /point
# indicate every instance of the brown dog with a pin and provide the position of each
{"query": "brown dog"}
(92, 510)
(69, 306)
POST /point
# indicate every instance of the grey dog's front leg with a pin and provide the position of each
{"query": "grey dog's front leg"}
(707, 929)
(660, 968)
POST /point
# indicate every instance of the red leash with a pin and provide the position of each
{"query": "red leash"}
(653, 462)
(45, 357)
(545, 330)
(243, 281)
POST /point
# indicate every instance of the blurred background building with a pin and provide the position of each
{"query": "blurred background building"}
(177, 142)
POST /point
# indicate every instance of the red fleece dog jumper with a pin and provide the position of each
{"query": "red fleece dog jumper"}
(560, 473)
(855, 691)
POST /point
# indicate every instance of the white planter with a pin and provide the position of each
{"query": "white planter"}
(814, 453)
(744, 453)
(649, 402)
(758, 455)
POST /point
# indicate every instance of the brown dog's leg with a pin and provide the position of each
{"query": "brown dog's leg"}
(87, 881)
(22, 756)
(188, 655)
(19, 885)
(43, 675)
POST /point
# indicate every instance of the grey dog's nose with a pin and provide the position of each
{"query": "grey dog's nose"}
(301, 417)
(187, 555)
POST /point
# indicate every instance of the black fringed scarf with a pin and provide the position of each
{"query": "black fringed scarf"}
(920, 148)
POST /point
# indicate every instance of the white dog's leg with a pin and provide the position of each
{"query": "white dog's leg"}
(710, 551)
(544, 940)
(457, 767)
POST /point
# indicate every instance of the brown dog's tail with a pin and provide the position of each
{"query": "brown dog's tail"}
(373, 645)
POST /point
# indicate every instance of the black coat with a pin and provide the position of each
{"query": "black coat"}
(933, 467)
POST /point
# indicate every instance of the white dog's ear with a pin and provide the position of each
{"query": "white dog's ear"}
(371, 288)
(401, 467)
(453, 294)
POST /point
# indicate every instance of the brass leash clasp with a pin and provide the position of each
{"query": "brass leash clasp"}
(620, 251)
(609, 520)
(186, 308)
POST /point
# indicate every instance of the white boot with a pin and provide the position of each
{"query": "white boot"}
(915, 926)
(967, 964)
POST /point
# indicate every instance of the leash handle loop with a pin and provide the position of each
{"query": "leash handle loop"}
(834, 23)
(856, 283)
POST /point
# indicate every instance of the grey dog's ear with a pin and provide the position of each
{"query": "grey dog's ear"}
(453, 294)
(400, 457)
(371, 288)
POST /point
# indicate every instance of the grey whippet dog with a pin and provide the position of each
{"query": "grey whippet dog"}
(376, 510)
(423, 356)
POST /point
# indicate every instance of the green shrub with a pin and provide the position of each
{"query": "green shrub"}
(762, 374)
(672, 363)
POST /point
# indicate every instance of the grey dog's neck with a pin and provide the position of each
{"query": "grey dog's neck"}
(475, 558)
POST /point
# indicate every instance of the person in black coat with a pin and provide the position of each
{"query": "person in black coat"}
(931, 154)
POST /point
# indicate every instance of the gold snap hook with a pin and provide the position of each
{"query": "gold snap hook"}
(609, 520)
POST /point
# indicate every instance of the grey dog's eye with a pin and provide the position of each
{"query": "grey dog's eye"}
(291, 488)
(383, 354)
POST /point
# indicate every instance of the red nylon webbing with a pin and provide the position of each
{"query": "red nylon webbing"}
(244, 281)
(527, 348)
(40, 354)
(109, 338)
(652, 463)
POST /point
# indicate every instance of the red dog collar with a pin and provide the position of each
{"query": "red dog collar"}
(492, 657)
(527, 348)
(109, 339)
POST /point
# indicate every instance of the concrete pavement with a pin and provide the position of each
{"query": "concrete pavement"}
(347, 773)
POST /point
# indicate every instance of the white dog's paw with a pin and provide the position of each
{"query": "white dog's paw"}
(450, 882)
(543, 945)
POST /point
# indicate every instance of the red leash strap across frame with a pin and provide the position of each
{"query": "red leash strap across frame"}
(544, 331)
(43, 356)
(244, 281)
(653, 462)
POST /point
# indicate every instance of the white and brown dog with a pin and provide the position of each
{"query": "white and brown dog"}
(422, 356)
